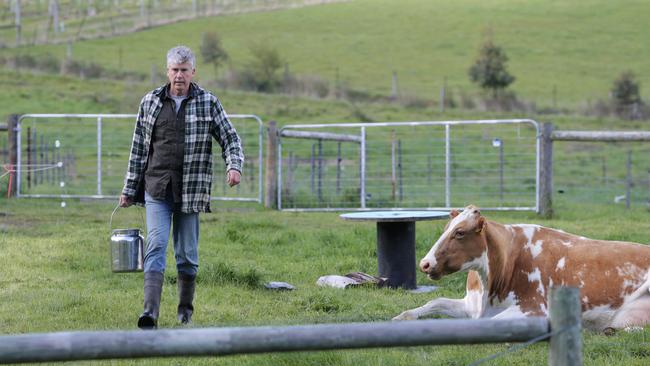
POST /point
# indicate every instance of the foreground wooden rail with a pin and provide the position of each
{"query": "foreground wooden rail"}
(67, 346)
(70, 346)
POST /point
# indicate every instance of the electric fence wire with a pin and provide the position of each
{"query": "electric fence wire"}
(520, 346)
(8, 169)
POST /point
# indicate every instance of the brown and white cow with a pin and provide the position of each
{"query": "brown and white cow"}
(512, 267)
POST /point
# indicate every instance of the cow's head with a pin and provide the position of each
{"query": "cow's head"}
(459, 247)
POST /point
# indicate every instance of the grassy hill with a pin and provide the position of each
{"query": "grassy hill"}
(576, 47)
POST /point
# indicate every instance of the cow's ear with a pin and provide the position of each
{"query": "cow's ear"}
(481, 224)
(453, 213)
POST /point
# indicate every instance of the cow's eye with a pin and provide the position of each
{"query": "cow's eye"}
(459, 234)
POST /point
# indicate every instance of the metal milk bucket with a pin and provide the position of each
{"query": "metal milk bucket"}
(127, 249)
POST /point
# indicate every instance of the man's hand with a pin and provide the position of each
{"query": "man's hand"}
(233, 177)
(125, 201)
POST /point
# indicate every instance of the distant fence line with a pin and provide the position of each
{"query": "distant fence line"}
(92, 164)
(562, 329)
(326, 164)
(423, 164)
(549, 135)
(62, 24)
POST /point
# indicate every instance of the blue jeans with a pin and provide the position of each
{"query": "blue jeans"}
(160, 216)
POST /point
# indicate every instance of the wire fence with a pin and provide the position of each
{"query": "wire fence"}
(602, 173)
(47, 22)
(87, 156)
(410, 165)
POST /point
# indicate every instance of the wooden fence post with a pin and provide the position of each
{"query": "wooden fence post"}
(12, 124)
(565, 348)
(545, 208)
(271, 196)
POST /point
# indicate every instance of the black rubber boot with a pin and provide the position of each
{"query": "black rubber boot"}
(153, 282)
(186, 285)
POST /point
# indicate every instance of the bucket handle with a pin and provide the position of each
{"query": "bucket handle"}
(111, 221)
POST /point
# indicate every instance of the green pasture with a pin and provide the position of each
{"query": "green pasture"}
(576, 48)
(577, 165)
(56, 277)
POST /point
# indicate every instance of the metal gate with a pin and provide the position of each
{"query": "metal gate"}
(86, 156)
(404, 165)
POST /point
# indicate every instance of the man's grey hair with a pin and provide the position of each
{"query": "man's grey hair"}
(180, 55)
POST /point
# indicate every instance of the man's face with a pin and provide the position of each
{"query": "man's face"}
(179, 76)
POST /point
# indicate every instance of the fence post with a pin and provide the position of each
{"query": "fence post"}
(545, 208)
(628, 180)
(29, 157)
(565, 348)
(320, 170)
(12, 125)
(270, 198)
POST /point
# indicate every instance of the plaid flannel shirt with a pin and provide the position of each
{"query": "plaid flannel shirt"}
(204, 118)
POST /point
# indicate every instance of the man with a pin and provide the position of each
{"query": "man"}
(170, 172)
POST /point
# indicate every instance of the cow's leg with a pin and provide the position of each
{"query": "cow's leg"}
(471, 306)
(633, 315)
(454, 308)
(511, 312)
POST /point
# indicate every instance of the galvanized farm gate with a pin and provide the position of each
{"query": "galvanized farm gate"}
(85, 156)
(428, 165)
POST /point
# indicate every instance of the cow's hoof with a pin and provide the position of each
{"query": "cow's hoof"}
(609, 331)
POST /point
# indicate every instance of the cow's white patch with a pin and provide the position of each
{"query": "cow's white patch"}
(567, 243)
(627, 284)
(536, 275)
(478, 263)
(431, 255)
(629, 270)
(474, 303)
(529, 231)
(642, 287)
(560, 264)
(535, 249)
(543, 308)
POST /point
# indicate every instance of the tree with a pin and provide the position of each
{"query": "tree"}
(489, 70)
(212, 51)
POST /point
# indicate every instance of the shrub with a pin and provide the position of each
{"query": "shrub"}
(307, 85)
(93, 70)
(626, 96)
(25, 61)
(48, 63)
(264, 67)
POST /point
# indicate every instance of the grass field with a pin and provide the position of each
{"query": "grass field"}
(579, 48)
(56, 277)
